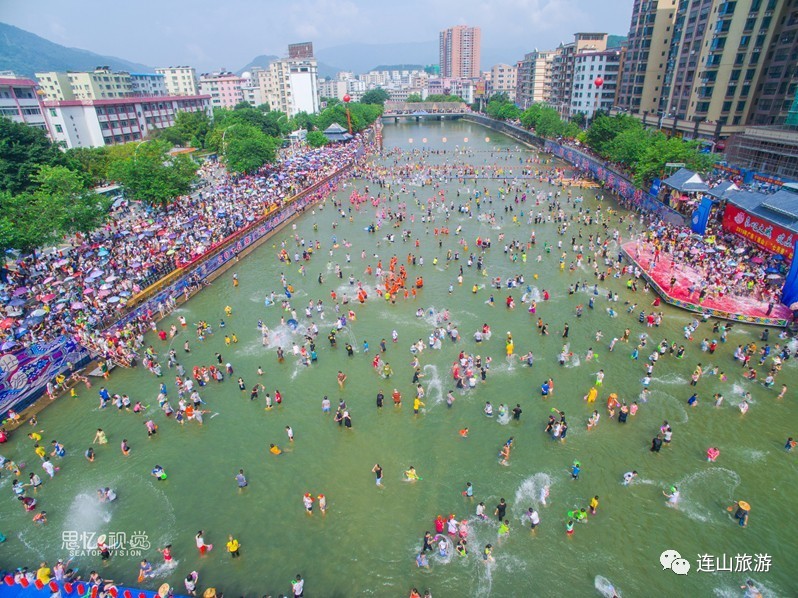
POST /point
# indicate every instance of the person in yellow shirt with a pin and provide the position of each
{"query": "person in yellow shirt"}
(232, 546)
(417, 404)
(34, 436)
(39, 451)
(43, 573)
(593, 505)
(275, 450)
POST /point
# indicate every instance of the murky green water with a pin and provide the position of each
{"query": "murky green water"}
(367, 542)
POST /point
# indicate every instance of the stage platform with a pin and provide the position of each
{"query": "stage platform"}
(747, 310)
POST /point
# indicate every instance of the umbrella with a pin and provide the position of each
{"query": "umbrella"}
(60, 263)
(38, 312)
(8, 345)
(103, 294)
(14, 312)
(78, 305)
(709, 250)
(33, 320)
(49, 279)
(106, 286)
(88, 291)
(125, 294)
(111, 278)
(772, 276)
(757, 260)
(21, 332)
(113, 299)
(794, 306)
(20, 291)
(102, 251)
(95, 273)
(17, 302)
(6, 323)
(49, 297)
(778, 257)
(739, 250)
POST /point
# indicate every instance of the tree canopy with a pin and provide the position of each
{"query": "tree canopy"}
(375, 96)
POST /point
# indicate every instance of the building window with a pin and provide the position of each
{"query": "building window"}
(59, 129)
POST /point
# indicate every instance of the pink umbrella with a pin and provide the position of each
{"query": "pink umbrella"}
(88, 291)
(49, 279)
(757, 260)
(78, 305)
(48, 297)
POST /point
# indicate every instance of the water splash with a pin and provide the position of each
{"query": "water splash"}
(434, 384)
(532, 492)
(722, 483)
(605, 588)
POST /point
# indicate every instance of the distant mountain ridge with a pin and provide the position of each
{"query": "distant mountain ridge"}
(262, 61)
(26, 53)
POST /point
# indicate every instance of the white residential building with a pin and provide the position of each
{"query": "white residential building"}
(100, 84)
(148, 84)
(503, 79)
(291, 85)
(591, 68)
(95, 123)
(180, 80)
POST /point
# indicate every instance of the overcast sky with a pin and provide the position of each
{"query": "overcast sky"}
(228, 33)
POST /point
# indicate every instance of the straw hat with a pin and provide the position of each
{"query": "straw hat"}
(209, 593)
(163, 590)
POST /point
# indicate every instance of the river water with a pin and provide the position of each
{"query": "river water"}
(367, 542)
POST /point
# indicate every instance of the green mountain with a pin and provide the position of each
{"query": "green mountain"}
(26, 53)
(615, 41)
(261, 61)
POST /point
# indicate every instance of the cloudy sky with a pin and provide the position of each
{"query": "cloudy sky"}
(210, 34)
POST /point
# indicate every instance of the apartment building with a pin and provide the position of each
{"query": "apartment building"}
(595, 82)
(148, 84)
(291, 85)
(460, 49)
(503, 79)
(729, 64)
(180, 80)
(533, 82)
(223, 87)
(562, 68)
(100, 84)
(646, 60)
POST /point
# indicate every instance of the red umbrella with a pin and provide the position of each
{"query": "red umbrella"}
(48, 297)
(6, 323)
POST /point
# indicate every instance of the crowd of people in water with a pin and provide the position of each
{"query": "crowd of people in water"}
(390, 202)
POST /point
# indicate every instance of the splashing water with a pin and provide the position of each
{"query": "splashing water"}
(434, 384)
(721, 484)
(531, 493)
(605, 588)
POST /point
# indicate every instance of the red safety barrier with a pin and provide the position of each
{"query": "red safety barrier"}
(81, 589)
(114, 592)
(24, 582)
(9, 579)
(127, 594)
(68, 588)
(94, 591)
(39, 584)
(53, 586)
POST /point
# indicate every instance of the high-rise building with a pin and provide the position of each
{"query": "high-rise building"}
(100, 84)
(460, 50)
(223, 87)
(646, 59)
(534, 78)
(562, 68)
(291, 85)
(300, 50)
(729, 64)
(180, 80)
(21, 102)
(595, 81)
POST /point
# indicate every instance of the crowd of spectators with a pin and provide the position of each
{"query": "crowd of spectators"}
(84, 285)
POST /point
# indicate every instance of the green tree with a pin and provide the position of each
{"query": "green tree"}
(316, 139)
(440, 97)
(374, 96)
(605, 128)
(91, 162)
(23, 151)
(246, 149)
(662, 150)
(629, 146)
(70, 206)
(414, 97)
(150, 174)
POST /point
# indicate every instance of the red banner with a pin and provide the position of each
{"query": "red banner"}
(769, 236)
